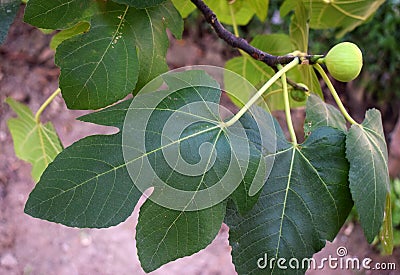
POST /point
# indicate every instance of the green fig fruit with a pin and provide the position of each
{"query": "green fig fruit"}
(344, 61)
(300, 95)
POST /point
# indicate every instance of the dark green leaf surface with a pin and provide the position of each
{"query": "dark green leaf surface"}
(241, 197)
(8, 10)
(58, 14)
(170, 115)
(305, 201)
(152, 40)
(164, 235)
(87, 185)
(367, 153)
(102, 66)
(111, 116)
(140, 4)
(34, 142)
(319, 114)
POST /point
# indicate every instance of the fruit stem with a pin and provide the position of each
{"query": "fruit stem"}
(45, 104)
(335, 95)
(260, 92)
(287, 108)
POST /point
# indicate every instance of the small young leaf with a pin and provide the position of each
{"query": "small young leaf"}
(260, 7)
(367, 153)
(8, 10)
(63, 35)
(305, 201)
(299, 36)
(34, 142)
(164, 235)
(386, 234)
(184, 7)
(299, 28)
(242, 11)
(319, 114)
(140, 4)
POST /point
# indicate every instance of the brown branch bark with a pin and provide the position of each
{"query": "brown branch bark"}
(238, 42)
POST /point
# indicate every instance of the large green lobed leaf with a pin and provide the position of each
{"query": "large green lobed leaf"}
(34, 142)
(123, 50)
(367, 153)
(305, 201)
(164, 234)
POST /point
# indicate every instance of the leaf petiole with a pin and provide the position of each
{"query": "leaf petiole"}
(334, 94)
(287, 108)
(45, 104)
(260, 92)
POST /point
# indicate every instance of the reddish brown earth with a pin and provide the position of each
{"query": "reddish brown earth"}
(33, 246)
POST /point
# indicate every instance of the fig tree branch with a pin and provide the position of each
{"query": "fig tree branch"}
(238, 42)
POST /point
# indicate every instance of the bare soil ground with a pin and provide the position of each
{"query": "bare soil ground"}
(32, 246)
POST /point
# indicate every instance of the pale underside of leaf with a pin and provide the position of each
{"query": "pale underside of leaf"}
(319, 113)
(33, 142)
(342, 14)
(369, 178)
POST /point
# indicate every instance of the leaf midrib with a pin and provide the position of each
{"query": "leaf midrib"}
(126, 163)
(197, 189)
(103, 55)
